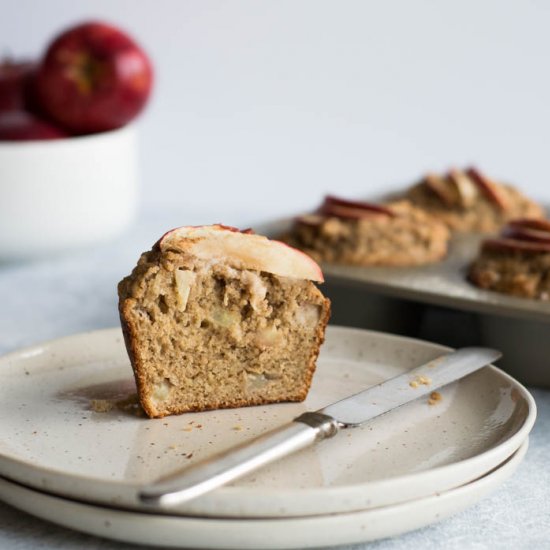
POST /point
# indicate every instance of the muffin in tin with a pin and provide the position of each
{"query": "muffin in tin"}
(469, 201)
(517, 262)
(342, 231)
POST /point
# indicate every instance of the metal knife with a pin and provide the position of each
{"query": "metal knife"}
(312, 427)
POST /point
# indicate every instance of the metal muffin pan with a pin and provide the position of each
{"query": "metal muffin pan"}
(520, 327)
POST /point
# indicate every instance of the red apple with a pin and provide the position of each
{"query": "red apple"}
(93, 78)
(488, 187)
(22, 126)
(14, 84)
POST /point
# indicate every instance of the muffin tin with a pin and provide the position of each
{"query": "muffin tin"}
(520, 327)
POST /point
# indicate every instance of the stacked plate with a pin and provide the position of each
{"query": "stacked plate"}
(74, 449)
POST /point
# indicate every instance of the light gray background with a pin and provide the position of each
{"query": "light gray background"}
(262, 106)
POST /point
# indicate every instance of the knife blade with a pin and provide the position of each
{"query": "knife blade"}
(312, 427)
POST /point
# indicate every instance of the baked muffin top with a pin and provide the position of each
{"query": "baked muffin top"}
(468, 200)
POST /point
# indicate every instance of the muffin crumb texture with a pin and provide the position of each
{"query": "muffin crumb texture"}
(435, 398)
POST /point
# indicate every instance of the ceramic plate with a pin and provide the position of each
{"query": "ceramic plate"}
(317, 531)
(443, 283)
(53, 438)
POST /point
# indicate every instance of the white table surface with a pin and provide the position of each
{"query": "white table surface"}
(77, 292)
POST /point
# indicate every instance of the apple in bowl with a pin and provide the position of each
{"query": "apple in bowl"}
(68, 150)
(15, 84)
(23, 126)
(93, 78)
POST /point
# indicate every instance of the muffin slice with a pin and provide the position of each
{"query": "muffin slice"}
(215, 318)
(468, 200)
(517, 262)
(360, 233)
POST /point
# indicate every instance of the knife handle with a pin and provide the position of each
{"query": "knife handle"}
(238, 461)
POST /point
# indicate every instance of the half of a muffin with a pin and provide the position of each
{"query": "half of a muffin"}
(215, 318)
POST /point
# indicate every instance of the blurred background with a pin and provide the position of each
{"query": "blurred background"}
(261, 107)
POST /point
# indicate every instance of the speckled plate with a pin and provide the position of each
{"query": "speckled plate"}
(288, 533)
(52, 437)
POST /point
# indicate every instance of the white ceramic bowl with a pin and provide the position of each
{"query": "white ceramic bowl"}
(59, 195)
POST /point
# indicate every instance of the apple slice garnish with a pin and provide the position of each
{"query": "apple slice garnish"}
(241, 250)
(344, 208)
(362, 205)
(466, 189)
(311, 220)
(444, 192)
(531, 223)
(515, 245)
(345, 212)
(525, 234)
(488, 187)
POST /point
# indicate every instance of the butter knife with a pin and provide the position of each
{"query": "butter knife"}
(311, 427)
